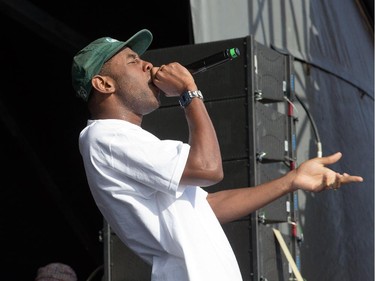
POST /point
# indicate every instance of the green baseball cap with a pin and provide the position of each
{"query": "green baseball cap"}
(89, 61)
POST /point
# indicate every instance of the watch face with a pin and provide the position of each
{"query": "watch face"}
(186, 97)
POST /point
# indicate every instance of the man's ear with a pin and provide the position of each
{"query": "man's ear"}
(103, 84)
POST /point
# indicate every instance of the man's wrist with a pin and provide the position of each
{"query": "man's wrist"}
(290, 181)
(186, 98)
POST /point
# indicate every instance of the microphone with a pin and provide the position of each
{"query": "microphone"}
(213, 60)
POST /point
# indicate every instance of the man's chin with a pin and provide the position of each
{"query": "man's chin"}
(150, 110)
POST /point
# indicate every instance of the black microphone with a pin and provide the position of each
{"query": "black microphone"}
(213, 60)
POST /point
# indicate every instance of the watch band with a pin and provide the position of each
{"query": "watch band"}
(186, 97)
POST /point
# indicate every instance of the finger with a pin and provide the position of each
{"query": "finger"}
(157, 71)
(344, 179)
(338, 180)
(325, 181)
(337, 183)
(328, 160)
(334, 183)
(328, 183)
(348, 179)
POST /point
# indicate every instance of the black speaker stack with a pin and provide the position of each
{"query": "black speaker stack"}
(250, 101)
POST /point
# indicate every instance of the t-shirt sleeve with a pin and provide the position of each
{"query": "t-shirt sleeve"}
(139, 156)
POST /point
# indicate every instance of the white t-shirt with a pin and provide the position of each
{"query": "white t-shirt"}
(134, 179)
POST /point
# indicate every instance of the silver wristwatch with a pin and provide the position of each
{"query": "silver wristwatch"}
(186, 97)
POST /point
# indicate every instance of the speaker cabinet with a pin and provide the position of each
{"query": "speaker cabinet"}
(249, 101)
(120, 263)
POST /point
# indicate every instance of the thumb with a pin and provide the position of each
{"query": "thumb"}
(330, 159)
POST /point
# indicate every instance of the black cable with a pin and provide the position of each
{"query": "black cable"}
(95, 272)
(315, 129)
(303, 61)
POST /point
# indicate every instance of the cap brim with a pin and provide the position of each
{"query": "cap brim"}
(139, 43)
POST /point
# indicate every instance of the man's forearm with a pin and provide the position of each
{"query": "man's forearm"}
(232, 204)
(204, 162)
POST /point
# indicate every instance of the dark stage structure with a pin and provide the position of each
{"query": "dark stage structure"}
(47, 211)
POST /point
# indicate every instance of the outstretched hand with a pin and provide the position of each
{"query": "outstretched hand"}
(313, 175)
